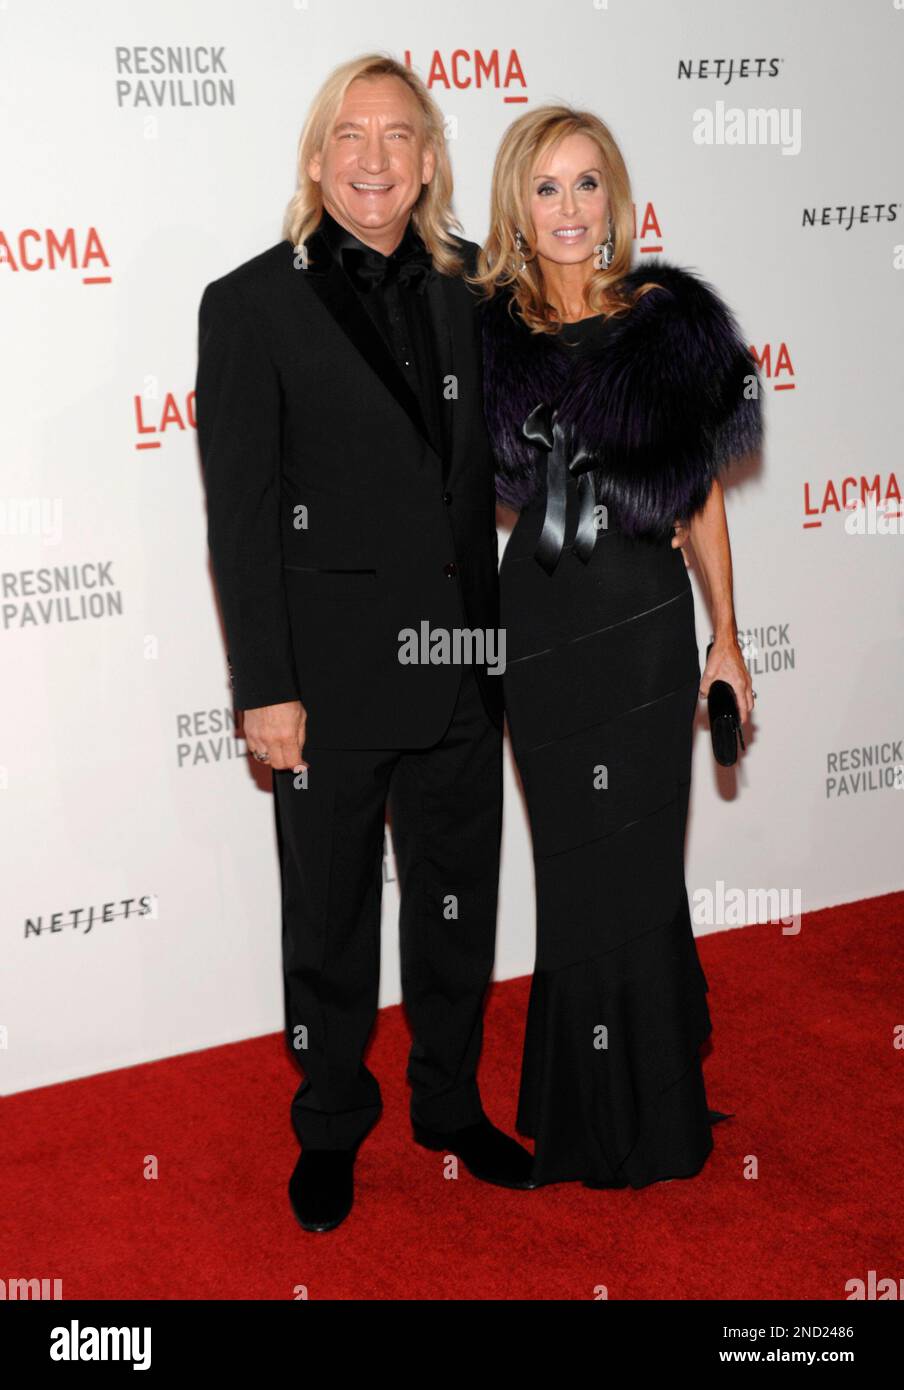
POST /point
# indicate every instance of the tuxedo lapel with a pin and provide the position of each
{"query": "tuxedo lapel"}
(332, 286)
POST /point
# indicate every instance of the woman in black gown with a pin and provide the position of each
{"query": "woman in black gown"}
(611, 410)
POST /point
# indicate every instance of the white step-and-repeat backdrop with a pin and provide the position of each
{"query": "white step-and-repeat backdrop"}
(149, 148)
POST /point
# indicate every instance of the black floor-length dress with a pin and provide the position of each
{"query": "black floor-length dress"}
(601, 686)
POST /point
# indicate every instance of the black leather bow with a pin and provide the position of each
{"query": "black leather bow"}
(410, 265)
(542, 429)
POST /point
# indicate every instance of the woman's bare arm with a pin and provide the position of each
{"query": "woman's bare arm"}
(709, 537)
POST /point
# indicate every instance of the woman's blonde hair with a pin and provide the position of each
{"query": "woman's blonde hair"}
(523, 144)
(432, 214)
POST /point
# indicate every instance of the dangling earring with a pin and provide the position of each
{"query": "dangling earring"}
(606, 250)
(519, 247)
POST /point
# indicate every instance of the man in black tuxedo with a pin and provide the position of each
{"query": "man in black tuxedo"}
(350, 498)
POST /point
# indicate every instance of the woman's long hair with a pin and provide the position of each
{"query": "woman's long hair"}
(432, 214)
(525, 141)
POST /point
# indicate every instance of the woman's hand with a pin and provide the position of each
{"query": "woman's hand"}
(681, 536)
(726, 663)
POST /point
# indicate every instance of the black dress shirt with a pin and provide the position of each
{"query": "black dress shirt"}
(400, 308)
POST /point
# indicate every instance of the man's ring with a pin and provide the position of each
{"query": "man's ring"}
(261, 757)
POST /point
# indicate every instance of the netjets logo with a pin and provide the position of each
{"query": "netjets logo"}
(463, 68)
(457, 646)
(77, 1343)
(76, 248)
(848, 215)
(727, 70)
(85, 919)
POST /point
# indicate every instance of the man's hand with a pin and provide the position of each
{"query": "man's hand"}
(278, 730)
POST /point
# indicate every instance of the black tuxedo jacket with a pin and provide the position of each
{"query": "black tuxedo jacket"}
(333, 524)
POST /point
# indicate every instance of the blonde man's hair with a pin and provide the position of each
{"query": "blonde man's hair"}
(432, 215)
(527, 140)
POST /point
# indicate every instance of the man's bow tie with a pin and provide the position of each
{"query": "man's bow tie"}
(369, 268)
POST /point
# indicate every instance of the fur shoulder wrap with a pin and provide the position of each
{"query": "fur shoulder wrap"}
(668, 399)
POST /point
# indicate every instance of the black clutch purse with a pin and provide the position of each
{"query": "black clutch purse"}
(724, 721)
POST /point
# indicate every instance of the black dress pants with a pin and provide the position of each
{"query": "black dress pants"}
(445, 806)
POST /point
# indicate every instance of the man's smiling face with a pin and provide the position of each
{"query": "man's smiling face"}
(374, 161)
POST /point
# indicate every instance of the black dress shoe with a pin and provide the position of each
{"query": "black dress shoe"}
(486, 1152)
(322, 1187)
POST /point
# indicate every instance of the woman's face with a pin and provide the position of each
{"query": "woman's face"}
(568, 202)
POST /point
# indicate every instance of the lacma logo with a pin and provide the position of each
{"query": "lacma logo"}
(48, 249)
(465, 67)
(76, 1343)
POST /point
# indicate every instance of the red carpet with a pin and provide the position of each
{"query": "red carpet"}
(802, 1051)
